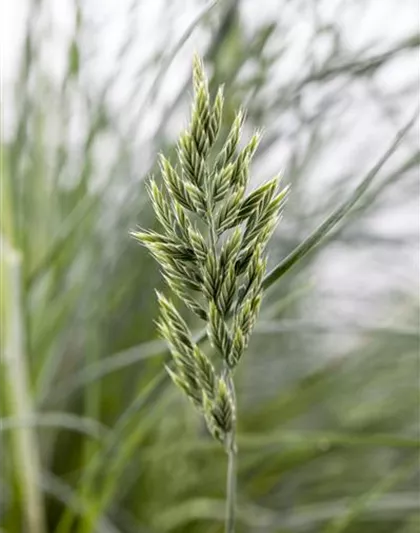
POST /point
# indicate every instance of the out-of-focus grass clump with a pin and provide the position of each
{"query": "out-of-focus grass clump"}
(93, 437)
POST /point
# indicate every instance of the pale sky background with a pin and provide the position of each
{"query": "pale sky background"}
(382, 21)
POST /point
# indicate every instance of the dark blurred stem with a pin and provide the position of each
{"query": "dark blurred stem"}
(232, 469)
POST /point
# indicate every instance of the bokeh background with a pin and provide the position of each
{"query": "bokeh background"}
(94, 438)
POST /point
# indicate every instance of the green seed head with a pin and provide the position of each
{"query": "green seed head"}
(211, 251)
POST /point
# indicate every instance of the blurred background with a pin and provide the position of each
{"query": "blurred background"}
(94, 438)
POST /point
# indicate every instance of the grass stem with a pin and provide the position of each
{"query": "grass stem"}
(25, 450)
(231, 479)
(231, 488)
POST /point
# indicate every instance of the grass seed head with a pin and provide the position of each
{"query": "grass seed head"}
(217, 275)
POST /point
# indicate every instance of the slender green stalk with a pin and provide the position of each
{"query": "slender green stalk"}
(25, 451)
(231, 489)
(92, 410)
(231, 479)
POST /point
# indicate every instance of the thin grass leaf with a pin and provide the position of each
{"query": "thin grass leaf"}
(361, 504)
(62, 420)
(324, 229)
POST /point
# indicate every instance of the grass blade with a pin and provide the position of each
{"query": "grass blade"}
(365, 500)
(62, 420)
(330, 222)
(25, 446)
(62, 492)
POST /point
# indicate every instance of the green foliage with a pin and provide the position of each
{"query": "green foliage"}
(328, 389)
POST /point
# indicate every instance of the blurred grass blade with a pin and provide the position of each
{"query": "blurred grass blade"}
(63, 493)
(62, 420)
(324, 229)
(361, 504)
(167, 61)
(326, 439)
(302, 518)
(101, 458)
(24, 450)
(304, 440)
(305, 326)
(108, 365)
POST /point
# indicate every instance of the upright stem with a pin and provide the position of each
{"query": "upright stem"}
(231, 479)
(231, 489)
(25, 451)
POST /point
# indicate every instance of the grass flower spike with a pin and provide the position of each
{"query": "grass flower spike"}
(211, 248)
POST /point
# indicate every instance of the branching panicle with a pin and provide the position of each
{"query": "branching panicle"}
(217, 271)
